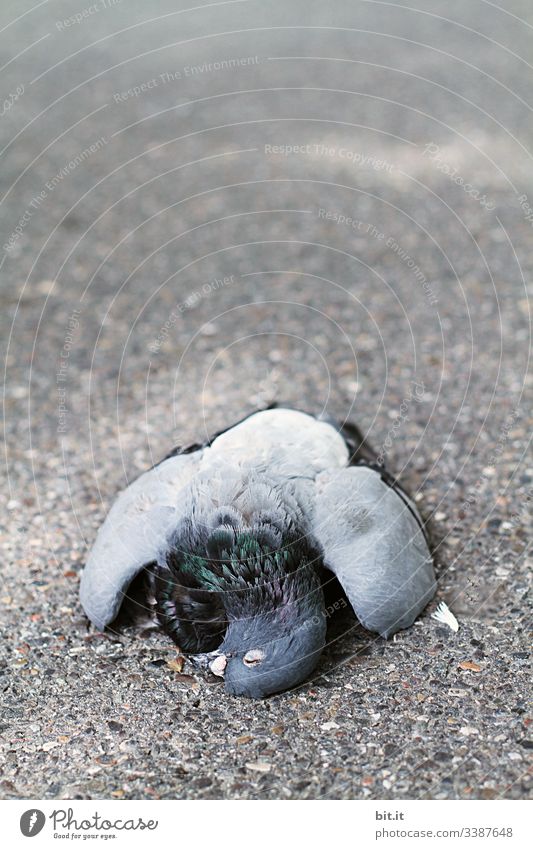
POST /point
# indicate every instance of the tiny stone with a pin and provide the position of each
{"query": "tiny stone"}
(245, 738)
(258, 766)
(329, 726)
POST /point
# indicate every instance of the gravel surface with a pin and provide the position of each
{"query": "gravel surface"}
(326, 204)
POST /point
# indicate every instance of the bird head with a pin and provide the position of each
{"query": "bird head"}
(273, 665)
(266, 651)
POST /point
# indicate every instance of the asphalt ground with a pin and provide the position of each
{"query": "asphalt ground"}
(207, 209)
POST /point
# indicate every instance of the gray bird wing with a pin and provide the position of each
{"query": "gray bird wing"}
(133, 534)
(372, 538)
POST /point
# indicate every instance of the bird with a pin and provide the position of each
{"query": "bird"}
(236, 538)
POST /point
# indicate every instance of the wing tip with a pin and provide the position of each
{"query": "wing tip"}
(100, 615)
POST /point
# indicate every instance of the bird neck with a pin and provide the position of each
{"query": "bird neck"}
(278, 585)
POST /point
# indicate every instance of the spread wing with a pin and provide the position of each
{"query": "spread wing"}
(373, 539)
(133, 534)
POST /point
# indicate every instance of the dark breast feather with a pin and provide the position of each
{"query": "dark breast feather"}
(192, 616)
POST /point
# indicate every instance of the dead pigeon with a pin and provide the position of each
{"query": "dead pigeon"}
(236, 537)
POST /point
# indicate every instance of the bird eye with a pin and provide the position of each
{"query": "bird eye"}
(253, 657)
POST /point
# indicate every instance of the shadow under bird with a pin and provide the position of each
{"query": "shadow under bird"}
(236, 538)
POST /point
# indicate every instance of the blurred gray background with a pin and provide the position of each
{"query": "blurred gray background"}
(203, 210)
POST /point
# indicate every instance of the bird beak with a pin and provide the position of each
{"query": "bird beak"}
(218, 665)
